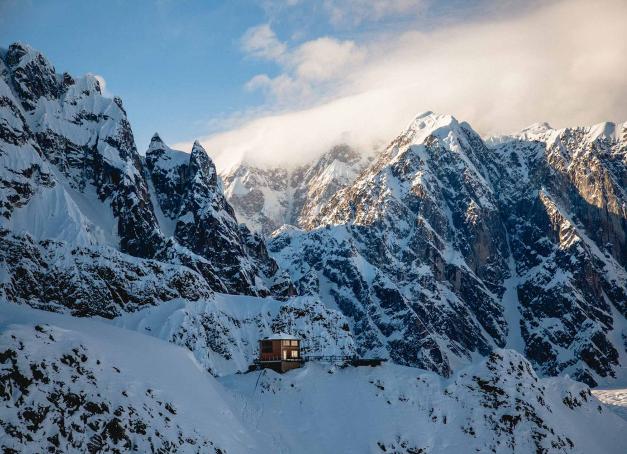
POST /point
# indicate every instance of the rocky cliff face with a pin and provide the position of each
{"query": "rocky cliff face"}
(267, 198)
(71, 180)
(197, 215)
(564, 207)
(444, 248)
(87, 138)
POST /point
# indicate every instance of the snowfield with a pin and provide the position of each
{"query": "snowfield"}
(74, 385)
(498, 405)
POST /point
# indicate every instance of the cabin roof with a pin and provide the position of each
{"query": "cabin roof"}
(280, 336)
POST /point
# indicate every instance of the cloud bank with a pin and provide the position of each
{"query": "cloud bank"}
(563, 63)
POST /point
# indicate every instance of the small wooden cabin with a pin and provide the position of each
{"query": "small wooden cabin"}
(280, 352)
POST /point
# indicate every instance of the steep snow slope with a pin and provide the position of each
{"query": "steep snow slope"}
(265, 199)
(498, 405)
(223, 332)
(443, 249)
(79, 385)
(75, 384)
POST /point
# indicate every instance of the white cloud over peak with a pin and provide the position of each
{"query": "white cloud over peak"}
(563, 63)
(324, 58)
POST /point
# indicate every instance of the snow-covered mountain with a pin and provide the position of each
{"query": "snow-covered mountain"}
(267, 198)
(78, 223)
(77, 206)
(445, 248)
(80, 385)
(194, 211)
(444, 252)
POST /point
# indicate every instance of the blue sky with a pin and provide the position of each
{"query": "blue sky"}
(176, 66)
(279, 78)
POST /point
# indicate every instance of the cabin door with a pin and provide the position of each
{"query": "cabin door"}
(284, 354)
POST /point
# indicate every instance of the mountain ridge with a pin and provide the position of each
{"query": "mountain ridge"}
(439, 215)
(494, 268)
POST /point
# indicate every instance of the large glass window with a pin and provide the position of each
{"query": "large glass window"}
(294, 353)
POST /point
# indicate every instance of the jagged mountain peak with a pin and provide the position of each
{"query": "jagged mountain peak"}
(606, 130)
(29, 64)
(429, 123)
(504, 232)
(193, 210)
(435, 132)
(32, 75)
(429, 117)
(200, 161)
(197, 144)
(433, 151)
(266, 199)
(545, 133)
(20, 54)
(156, 139)
(342, 153)
(158, 149)
(538, 127)
(72, 179)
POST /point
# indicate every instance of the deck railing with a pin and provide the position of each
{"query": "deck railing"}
(355, 360)
(274, 358)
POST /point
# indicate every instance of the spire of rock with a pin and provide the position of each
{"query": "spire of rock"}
(201, 163)
(156, 143)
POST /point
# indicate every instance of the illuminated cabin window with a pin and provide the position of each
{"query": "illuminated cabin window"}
(294, 354)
